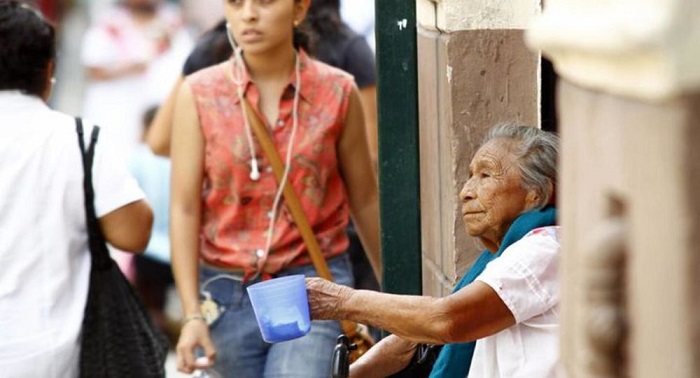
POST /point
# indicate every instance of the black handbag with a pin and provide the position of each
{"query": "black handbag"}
(422, 362)
(118, 338)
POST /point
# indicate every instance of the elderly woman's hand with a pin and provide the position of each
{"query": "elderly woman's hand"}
(326, 298)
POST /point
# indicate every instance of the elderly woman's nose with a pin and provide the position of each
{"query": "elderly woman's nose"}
(467, 191)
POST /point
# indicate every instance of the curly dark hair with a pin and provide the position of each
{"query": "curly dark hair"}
(27, 46)
(324, 17)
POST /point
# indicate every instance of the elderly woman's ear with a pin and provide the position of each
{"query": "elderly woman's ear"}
(553, 199)
(532, 200)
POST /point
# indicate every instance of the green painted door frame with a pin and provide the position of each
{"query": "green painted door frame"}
(399, 175)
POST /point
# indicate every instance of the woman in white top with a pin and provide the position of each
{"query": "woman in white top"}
(44, 257)
(507, 301)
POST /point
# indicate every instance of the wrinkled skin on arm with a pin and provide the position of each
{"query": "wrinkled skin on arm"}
(471, 313)
(385, 358)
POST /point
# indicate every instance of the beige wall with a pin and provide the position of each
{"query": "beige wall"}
(455, 15)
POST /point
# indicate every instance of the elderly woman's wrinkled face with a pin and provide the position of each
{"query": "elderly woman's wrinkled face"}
(494, 196)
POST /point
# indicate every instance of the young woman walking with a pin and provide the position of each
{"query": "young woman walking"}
(230, 226)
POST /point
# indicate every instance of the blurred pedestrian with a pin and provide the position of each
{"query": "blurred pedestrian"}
(225, 200)
(153, 273)
(44, 250)
(132, 53)
(212, 48)
(338, 45)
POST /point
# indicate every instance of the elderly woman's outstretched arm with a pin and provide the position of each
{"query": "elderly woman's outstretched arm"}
(387, 357)
(473, 312)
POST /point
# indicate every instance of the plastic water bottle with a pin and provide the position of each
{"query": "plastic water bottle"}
(206, 372)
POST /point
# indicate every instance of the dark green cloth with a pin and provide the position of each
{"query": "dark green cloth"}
(456, 359)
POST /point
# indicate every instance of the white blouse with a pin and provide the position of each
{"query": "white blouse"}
(525, 278)
(44, 257)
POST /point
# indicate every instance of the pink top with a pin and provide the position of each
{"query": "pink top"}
(235, 208)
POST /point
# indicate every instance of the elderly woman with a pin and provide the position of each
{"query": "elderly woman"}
(507, 301)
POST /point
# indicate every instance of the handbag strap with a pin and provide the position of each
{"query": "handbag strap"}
(293, 203)
(96, 240)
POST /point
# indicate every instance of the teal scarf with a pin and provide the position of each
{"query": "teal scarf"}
(455, 360)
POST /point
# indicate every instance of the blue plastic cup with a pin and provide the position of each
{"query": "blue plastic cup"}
(281, 308)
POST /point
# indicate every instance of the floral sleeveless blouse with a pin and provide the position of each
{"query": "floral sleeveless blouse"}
(235, 209)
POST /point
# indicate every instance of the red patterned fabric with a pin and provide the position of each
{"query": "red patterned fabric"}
(235, 208)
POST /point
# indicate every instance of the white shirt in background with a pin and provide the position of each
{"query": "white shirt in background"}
(44, 257)
(114, 40)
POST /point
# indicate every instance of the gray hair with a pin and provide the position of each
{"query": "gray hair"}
(537, 153)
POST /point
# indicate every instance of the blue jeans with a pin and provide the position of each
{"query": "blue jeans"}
(240, 349)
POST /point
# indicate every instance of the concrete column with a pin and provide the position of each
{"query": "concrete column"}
(474, 71)
(629, 107)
